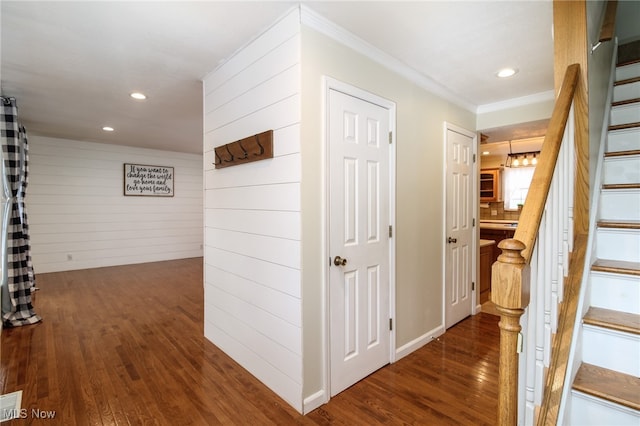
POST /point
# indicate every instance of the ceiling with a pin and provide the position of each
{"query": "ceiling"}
(513, 139)
(72, 65)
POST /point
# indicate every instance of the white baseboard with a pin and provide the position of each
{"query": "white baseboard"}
(419, 342)
(314, 401)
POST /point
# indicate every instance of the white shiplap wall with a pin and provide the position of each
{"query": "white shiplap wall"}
(79, 217)
(252, 211)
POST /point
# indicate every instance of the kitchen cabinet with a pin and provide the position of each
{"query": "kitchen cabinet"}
(490, 189)
(486, 257)
(497, 235)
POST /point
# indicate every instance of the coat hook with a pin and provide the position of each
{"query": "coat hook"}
(260, 145)
(231, 159)
(246, 154)
(217, 160)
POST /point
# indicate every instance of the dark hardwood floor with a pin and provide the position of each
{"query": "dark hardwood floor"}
(125, 346)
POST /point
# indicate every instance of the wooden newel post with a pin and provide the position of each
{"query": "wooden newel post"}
(510, 293)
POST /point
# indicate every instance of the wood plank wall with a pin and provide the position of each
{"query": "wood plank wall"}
(79, 217)
(252, 211)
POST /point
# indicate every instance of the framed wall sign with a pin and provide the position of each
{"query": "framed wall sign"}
(145, 180)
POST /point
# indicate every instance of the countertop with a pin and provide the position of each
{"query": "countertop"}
(499, 224)
(485, 243)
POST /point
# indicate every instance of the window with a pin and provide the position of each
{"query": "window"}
(516, 185)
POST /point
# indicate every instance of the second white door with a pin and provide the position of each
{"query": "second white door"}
(460, 200)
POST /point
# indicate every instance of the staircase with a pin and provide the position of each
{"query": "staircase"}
(606, 388)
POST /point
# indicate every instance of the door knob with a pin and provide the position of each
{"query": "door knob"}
(452, 240)
(338, 261)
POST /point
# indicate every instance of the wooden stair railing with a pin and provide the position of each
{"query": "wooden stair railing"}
(511, 273)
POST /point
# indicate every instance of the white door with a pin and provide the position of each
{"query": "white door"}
(458, 225)
(358, 239)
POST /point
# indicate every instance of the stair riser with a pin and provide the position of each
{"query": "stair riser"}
(623, 140)
(621, 354)
(615, 291)
(625, 114)
(586, 410)
(620, 204)
(622, 169)
(628, 71)
(615, 244)
(627, 91)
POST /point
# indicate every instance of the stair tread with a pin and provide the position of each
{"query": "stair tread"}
(622, 153)
(626, 102)
(627, 62)
(616, 267)
(613, 320)
(621, 186)
(623, 126)
(627, 81)
(626, 224)
(610, 385)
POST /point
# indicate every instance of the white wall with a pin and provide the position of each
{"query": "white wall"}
(76, 207)
(419, 167)
(627, 18)
(252, 212)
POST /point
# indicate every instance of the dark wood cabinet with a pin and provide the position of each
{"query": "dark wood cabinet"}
(497, 235)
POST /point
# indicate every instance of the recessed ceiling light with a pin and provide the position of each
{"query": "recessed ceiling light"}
(108, 129)
(139, 96)
(485, 153)
(506, 72)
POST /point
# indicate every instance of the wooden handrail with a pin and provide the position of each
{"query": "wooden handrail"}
(609, 22)
(510, 286)
(529, 221)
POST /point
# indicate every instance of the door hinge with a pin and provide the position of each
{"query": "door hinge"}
(390, 231)
(473, 222)
(474, 158)
(390, 324)
(390, 137)
(473, 285)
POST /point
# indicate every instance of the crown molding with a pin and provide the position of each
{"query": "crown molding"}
(517, 102)
(315, 21)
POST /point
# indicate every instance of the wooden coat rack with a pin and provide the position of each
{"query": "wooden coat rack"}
(252, 148)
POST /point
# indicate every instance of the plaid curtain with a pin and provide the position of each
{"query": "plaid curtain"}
(20, 275)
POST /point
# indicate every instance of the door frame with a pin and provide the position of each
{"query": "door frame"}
(329, 84)
(475, 307)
